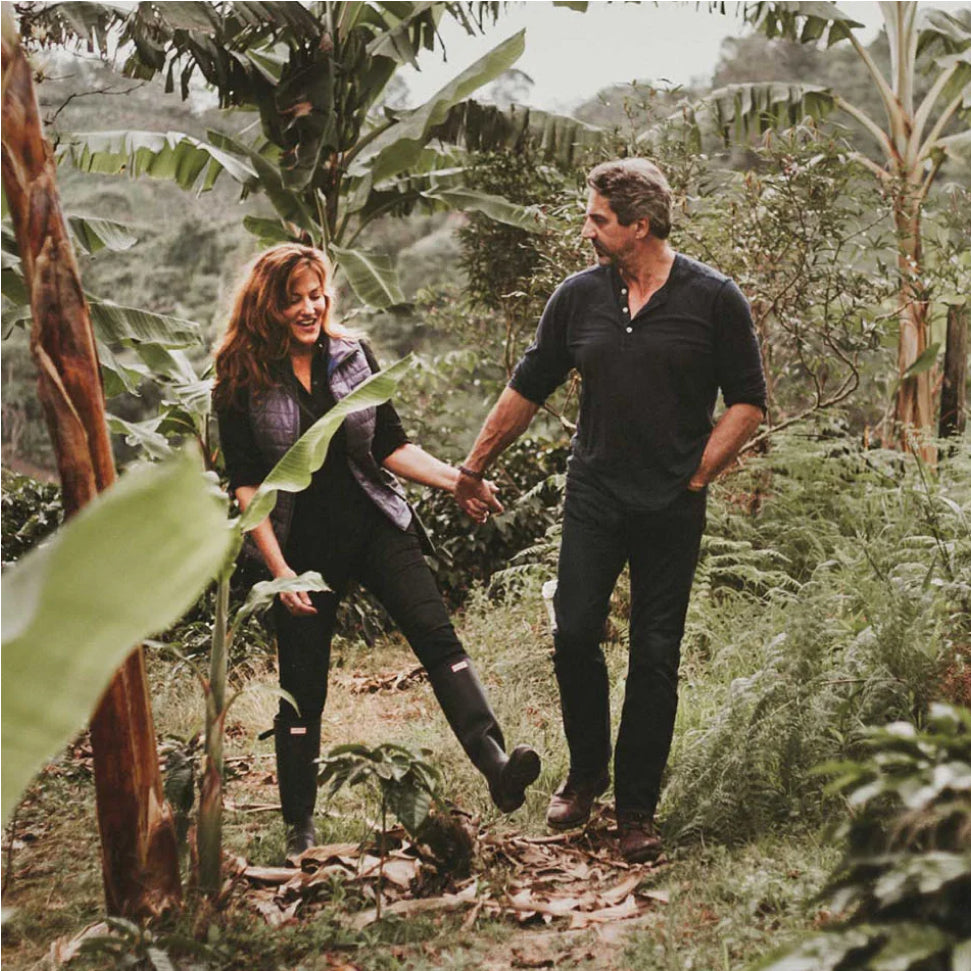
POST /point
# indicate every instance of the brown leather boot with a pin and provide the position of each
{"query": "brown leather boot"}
(639, 838)
(570, 805)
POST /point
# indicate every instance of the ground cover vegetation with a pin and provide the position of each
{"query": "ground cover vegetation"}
(832, 597)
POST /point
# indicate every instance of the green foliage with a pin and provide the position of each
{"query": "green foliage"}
(406, 784)
(905, 878)
(77, 605)
(31, 511)
(801, 233)
(833, 606)
(531, 481)
(331, 156)
(511, 273)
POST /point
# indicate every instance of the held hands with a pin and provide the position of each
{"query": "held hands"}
(296, 602)
(477, 497)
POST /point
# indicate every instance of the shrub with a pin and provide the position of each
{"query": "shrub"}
(905, 879)
(31, 511)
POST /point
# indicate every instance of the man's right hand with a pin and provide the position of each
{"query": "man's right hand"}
(477, 498)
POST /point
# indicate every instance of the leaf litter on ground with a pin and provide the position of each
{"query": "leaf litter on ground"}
(577, 878)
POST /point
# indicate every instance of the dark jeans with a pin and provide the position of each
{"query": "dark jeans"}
(389, 563)
(599, 537)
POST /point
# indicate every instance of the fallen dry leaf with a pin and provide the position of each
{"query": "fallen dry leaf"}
(64, 949)
(616, 894)
(629, 908)
(532, 956)
(404, 908)
(269, 874)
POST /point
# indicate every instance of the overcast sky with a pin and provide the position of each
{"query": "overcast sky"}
(571, 56)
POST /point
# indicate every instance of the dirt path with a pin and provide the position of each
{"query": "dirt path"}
(561, 900)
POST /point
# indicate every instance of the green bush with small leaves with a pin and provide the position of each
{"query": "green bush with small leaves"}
(904, 884)
(31, 511)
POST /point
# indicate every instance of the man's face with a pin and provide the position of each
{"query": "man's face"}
(611, 241)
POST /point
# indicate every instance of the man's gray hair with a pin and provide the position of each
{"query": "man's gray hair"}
(635, 189)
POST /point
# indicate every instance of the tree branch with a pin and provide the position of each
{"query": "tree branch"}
(49, 121)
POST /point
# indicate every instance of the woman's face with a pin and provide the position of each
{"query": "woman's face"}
(305, 308)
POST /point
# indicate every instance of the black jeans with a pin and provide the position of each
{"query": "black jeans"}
(599, 537)
(389, 563)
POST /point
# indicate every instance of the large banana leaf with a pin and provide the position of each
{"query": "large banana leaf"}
(114, 323)
(400, 145)
(172, 364)
(119, 377)
(89, 233)
(270, 181)
(372, 277)
(554, 138)
(173, 156)
(127, 566)
(92, 234)
(801, 22)
(399, 39)
(269, 231)
(144, 435)
(741, 110)
(946, 30)
(293, 472)
(495, 207)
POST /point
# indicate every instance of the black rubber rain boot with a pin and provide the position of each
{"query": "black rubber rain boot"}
(464, 703)
(297, 749)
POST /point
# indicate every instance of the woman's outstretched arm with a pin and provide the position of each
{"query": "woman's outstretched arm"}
(415, 464)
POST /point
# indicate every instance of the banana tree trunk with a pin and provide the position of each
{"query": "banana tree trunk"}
(139, 851)
(954, 391)
(209, 828)
(913, 413)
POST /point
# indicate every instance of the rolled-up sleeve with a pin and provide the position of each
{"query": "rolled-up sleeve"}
(389, 433)
(546, 363)
(738, 358)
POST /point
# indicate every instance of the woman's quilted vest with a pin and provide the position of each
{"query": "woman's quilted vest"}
(275, 418)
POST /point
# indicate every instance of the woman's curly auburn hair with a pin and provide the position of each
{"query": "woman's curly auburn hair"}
(257, 340)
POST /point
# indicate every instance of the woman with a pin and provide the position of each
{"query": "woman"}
(282, 365)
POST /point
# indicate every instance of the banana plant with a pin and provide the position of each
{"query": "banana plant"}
(331, 156)
(157, 340)
(77, 603)
(915, 139)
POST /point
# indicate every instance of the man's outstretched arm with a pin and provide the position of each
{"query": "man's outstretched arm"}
(509, 418)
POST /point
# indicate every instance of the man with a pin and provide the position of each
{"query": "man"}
(654, 335)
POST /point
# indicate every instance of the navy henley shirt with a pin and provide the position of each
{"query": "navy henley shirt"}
(649, 383)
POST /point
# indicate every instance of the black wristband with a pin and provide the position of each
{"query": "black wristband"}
(472, 475)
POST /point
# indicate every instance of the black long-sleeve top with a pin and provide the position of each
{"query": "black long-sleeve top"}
(649, 383)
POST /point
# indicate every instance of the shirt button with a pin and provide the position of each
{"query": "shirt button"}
(626, 310)
(630, 330)
(623, 291)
